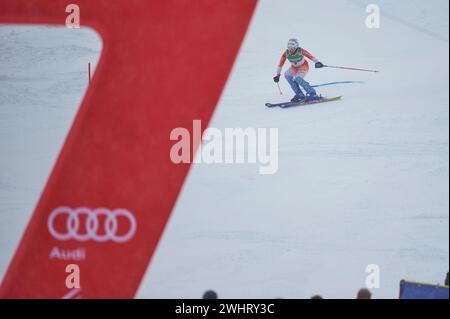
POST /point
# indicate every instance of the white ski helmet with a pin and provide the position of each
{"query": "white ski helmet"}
(293, 44)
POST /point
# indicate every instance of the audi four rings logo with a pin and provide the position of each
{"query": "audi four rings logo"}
(72, 228)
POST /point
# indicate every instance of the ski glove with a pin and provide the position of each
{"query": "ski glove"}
(319, 65)
(276, 79)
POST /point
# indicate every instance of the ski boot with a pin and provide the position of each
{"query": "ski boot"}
(312, 97)
(299, 97)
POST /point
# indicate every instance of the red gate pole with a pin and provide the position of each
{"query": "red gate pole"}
(89, 72)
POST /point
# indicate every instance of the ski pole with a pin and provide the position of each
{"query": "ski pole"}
(279, 89)
(347, 68)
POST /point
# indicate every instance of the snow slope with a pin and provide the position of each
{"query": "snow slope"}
(362, 181)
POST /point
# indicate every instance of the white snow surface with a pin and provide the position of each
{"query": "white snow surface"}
(361, 181)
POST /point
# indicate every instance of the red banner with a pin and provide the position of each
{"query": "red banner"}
(164, 63)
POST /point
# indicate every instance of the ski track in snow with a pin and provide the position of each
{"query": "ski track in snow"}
(361, 181)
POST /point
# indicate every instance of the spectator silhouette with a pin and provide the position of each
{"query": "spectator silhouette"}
(210, 294)
(364, 293)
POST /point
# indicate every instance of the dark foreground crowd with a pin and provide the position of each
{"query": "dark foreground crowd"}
(363, 293)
